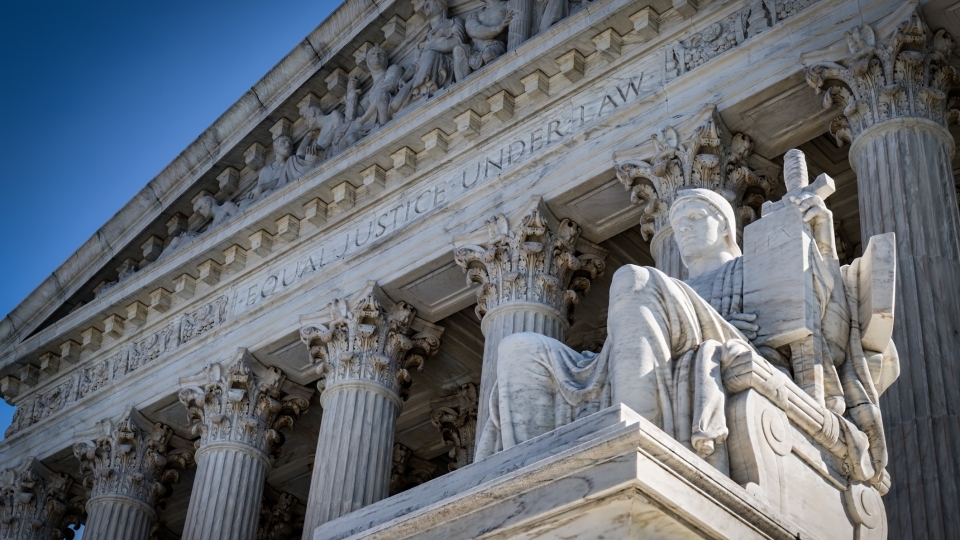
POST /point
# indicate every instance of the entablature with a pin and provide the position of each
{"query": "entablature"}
(225, 258)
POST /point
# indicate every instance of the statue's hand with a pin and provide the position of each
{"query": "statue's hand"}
(506, 21)
(744, 323)
(820, 218)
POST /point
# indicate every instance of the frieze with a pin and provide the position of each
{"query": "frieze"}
(693, 51)
(131, 357)
(520, 146)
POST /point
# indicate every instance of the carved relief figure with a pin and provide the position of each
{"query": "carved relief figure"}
(320, 140)
(376, 107)
(210, 212)
(669, 340)
(435, 68)
(273, 175)
(484, 27)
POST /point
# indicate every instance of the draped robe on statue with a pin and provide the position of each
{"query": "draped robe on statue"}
(662, 358)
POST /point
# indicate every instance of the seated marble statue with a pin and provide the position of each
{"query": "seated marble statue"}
(667, 340)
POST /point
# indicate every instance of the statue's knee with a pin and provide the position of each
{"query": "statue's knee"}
(512, 345)
(629, 277)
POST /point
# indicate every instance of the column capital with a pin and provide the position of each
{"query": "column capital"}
(242, 402)
(130, 457)
(540, 259)
(369, 339)
(906, 74)
(455, 416)
(34, 501)
(706, 156)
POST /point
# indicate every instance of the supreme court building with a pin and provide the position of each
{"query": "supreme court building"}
(335, 314)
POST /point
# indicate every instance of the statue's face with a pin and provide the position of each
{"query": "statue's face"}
(698, 229)
(283, 147)
(431, 8)
(204, 206)
(376, 59)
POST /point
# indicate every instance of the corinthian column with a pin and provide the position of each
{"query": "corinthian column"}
(893, 93)
(529, 277)
(238, 409)
(127, 467)
(363, 351)
(33, 502)
(710, 158)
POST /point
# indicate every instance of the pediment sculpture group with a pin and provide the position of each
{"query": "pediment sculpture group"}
(450, 49)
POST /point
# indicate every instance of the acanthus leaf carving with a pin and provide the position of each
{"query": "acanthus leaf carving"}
(130, 456)
(706, 159)
(371, 340)
(531, 262)
(33, 501)
(909, 76)
(455, 417)
(242, 402)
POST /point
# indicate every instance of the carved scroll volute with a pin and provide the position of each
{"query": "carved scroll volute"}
(532, 261)
(369, 339)
(707, 158)
(455, 417)
(908, 75)
(243, 402)
(130, 456)
(33, 501)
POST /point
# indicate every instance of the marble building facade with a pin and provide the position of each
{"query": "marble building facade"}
(319, 320)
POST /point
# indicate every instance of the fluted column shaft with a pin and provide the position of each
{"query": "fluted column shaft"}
(906, 186)
(116, 517)
(364, 351)
(519, 29)
(354, 451)
(238, 409)
(500, 322)
(225, 503)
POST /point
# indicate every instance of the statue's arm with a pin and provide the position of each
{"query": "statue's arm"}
(478, 30)
(820, 219)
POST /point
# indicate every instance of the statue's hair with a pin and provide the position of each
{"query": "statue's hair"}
(719, 204)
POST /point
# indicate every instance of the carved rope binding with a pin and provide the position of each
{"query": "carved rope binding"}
(530, 263)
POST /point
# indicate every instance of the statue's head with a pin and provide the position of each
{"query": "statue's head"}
(433, 8)
(376, 58)
(310, 112)
(703, 225)
(283, 146)
(204, 206)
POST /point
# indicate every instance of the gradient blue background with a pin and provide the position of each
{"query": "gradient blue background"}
(99, 96)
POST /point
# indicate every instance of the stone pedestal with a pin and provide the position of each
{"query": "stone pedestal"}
(34, 502)
(127, 466)
(238, 409)
(529, 278)
(895, 116)
(363, 351)
(613, 474)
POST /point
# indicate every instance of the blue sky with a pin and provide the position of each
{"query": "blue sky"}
(99, 96)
